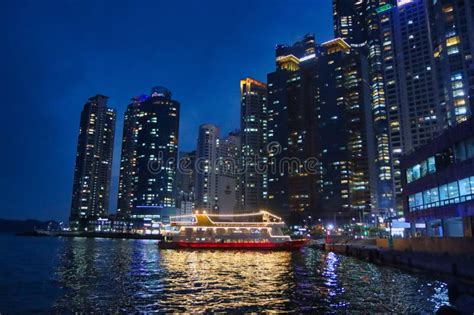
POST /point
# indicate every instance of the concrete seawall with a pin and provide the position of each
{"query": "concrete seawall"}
(436, 245)
(410, 253)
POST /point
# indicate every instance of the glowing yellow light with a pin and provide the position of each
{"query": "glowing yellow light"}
(289, 62)
(336, 45)
(248, 82)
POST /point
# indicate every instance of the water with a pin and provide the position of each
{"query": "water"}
(43, 274)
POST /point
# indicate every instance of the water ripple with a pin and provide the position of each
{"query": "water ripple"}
(130, 276)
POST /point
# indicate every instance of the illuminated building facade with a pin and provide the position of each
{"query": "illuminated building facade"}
(438, 184)
(127, 178)
(206, 167)
(217, 181)
(411, 89)
(420, 74)
(93, 167)
(253, 126)
(384, 199)
(185, 177)
(291, 128)
(149, 154)
(452, 34)
(357, 22)
(349, 19)
(345, 134)
(228, 179)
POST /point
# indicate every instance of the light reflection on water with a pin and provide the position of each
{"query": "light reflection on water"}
(217, 280)
(135, 276)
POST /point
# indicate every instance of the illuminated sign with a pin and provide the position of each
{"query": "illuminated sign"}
(384, 8)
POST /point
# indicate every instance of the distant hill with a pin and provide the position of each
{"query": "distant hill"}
(16, 226)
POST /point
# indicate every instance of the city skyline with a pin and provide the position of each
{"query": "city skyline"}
(309, 156)
(77, 73)
(357, 103)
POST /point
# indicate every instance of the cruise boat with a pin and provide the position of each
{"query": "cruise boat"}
(260, 231)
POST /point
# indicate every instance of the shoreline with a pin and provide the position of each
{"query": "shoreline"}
(111, 235)
(456, 269)
(459, 265)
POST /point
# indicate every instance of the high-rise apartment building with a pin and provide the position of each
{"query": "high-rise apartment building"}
(185, 181)
(228, 175)
(126, 191)
(411, 89)
(185, 175)
(357, 22)
(291, 128)
(206, 168)
(345, 142)
(93, 167)
(217, 180)
(420, 74)
(253, 126)
(149, 155)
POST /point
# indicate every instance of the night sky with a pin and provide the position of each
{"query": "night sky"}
(54, 55)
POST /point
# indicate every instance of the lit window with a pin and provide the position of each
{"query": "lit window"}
(448, 8)
(453, 50)
(452, 41)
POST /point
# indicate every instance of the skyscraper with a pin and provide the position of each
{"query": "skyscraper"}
(228, 180)
(291, 128)
(420, 73)
(206, 163)
(185, 178)
(149, 155)
(217, 180)
(185, 182)
(128, 160)
(411, 88)
(253, 126)
(357, 22)
(91, 186)
(344, 132)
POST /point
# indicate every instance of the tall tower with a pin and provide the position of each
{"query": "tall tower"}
(128, 160)
(185, 177)
(420, 75)
(228, 180)
(206, 168)
(358, 23)
(411, 88)
(149, 155)
(384, 198)
(345, 133)
(92, 173)
(253, 126)
(185, 182)
(291, 129)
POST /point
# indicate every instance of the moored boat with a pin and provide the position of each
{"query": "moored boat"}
(254, 231)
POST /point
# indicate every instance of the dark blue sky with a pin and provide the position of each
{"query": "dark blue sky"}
(54, 55)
